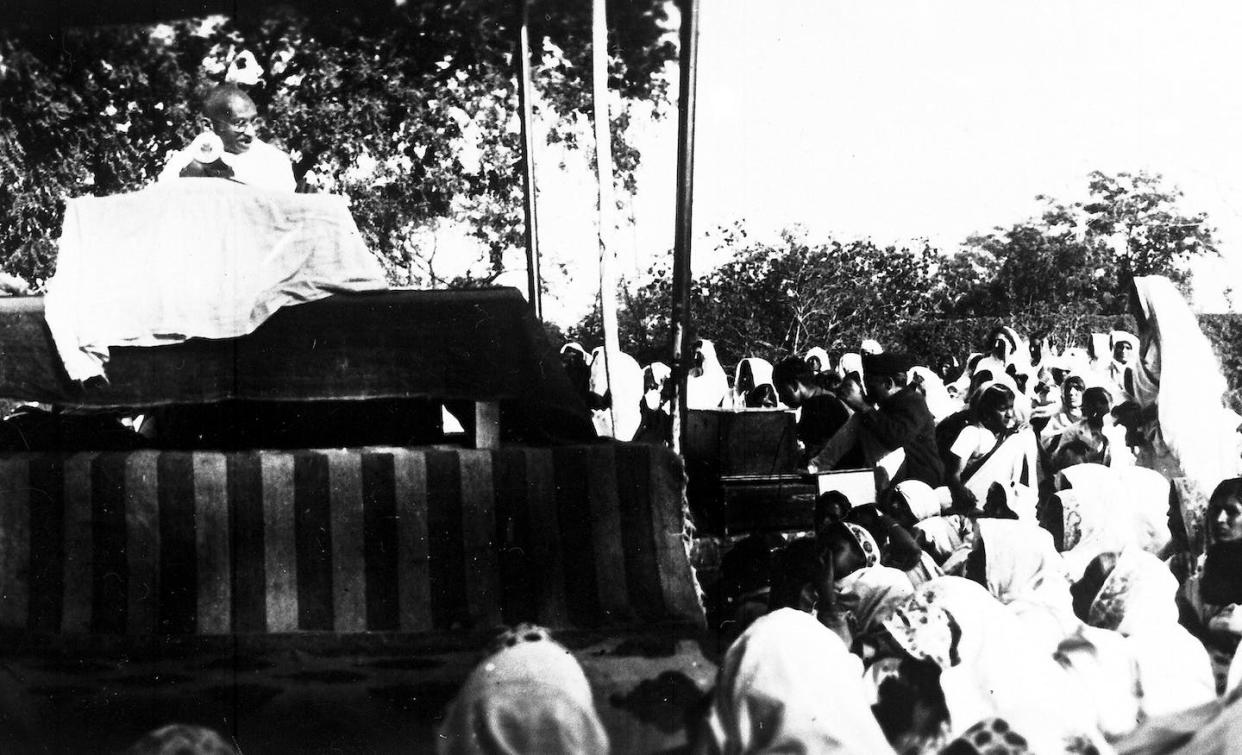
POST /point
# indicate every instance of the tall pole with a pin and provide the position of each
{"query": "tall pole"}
(603, 169)
(534, 282)
(682, 237)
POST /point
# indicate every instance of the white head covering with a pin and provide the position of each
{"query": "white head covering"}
(871, 346)
(709, 390)
(530, 697)
(1025, 572)
(658, 373)
(1111, 509)
(760, 372)
(939, 403)
(919, 498)
(850, 362)
(1140, 592)
(1017, 352)
(870, 595)
(788, 684)
(1074, 359)
(1147, 496)
(1121, 336)
(1094, 516)
(821, 354)
(575, 346)
(1138, 602)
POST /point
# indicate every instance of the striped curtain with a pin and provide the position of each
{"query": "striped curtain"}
(346, 541)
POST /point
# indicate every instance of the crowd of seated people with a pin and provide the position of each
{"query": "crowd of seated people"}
(1056, 566)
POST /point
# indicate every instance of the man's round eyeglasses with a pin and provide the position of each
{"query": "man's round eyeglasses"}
(241, 124)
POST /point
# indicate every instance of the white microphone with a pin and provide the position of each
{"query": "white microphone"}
(206, 147)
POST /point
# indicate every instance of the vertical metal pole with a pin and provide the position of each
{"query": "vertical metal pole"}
(534, 281)
(603, 171)
(682, 238)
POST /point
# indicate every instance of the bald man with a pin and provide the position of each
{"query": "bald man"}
(231, 115)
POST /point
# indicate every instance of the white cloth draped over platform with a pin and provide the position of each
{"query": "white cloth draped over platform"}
(205, 258)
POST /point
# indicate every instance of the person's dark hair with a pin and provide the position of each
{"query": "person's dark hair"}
(761, 397)
(1070, 454)
(978, 379)
(977, 563)
(745, 376)
(747, 566)
(834, 537)
(910, 706)
(792, 371)
(796, 566)
(1231, 488)
(1098, 399)
(948, 369)
(831, 507)
(999, 332)
(1073, 380)
(993, 398)
(829, 381)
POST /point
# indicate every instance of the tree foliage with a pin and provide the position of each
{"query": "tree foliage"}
(411, 111)
(773, 299)
(1059, 276)
(1077, 259)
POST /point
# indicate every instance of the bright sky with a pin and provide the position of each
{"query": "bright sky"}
(906, 119)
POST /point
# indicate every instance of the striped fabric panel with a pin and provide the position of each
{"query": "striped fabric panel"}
(15, 509)
(142, 544)
(344, 541)
(280, 563)
(79, 552)
(413, 542)
(213, 541)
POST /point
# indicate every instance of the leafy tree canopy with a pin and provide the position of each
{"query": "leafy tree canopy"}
(1049, 276)
(1077, 259)
(773, 299)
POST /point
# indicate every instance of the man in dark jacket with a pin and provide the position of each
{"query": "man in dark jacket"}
(895, 415)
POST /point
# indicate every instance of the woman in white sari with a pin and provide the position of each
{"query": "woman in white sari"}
(1106, 509)
(1133, 656)
(788, 684)
(991, 666)
(749, 374)
(530, 695)
(1176, 381)
(817, 359)
(864, 592)
(1022, 569)
(707, 386)
(619, 413)
(996, 447)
